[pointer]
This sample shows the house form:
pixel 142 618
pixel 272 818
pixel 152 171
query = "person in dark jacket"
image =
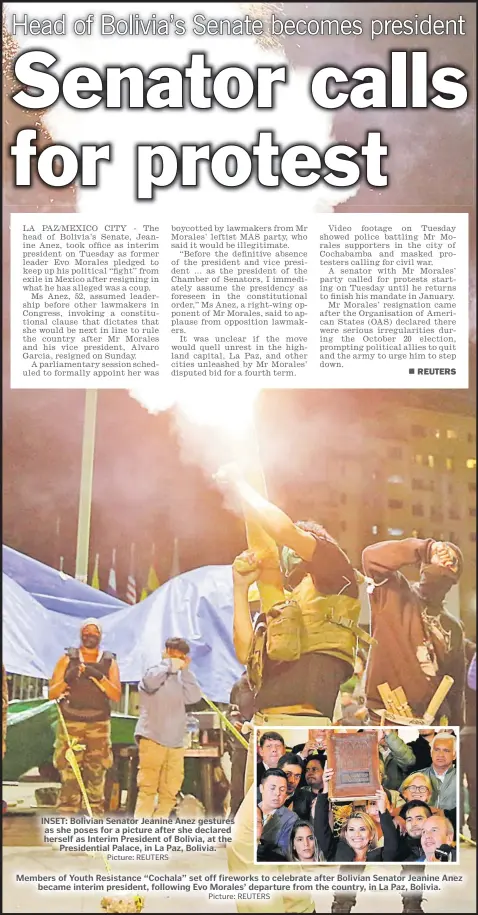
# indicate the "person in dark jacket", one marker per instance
pixel 292 766
pixel 305 797
pixel 414 815
pixel 277 820
pixel 357 840
pixel 468 738
pixel 271 748
pixel 421 748
pixel 241 709
pixel 315 744
pixel 265 851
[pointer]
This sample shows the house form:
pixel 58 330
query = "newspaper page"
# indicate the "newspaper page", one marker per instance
pixel 239 668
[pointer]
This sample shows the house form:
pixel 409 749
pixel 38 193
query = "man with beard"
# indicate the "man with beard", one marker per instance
pixel 85 681
pixel 414 814
pixel 418 641
pixel 304 800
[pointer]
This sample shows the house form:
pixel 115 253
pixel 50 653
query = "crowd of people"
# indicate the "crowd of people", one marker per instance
pixel 410 819
pixel 293 794
pixel 309 662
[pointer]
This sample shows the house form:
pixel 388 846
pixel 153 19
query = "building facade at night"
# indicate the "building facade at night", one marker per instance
pixel 409 473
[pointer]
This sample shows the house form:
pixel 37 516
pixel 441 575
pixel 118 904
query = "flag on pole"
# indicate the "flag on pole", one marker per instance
pixel 131 583
pixel 58 542
pixel 175 567
pixel 112 576
pixel 152 581
pixel 95 581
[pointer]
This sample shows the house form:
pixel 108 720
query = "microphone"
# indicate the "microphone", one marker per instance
pixel 443 853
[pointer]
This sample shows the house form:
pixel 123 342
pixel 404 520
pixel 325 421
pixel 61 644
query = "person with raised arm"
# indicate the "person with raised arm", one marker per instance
pixel 311 638
pixel 165 690
pixel 418 641
pixel 358 837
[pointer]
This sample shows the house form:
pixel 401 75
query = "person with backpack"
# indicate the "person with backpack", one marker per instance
pixel 299 651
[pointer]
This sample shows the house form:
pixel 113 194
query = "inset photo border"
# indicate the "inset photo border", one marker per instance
pixel 361 796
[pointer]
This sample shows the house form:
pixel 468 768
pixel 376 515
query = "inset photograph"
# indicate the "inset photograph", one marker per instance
pixel 356 795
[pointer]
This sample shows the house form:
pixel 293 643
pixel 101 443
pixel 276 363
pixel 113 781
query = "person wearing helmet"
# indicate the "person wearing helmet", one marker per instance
pixel 85 681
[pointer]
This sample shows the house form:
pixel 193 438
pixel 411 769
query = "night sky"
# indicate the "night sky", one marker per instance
pixel 148 486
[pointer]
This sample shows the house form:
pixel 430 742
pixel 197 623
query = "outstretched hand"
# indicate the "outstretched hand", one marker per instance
pixel 382 800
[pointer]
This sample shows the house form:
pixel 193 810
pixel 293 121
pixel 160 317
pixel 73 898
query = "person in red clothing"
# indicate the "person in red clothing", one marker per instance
pixel 418 641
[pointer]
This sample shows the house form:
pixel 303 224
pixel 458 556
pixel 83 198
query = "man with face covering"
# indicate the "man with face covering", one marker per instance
pixel 85 681
pixel 165 689
pixel 318 622
pixel 418 641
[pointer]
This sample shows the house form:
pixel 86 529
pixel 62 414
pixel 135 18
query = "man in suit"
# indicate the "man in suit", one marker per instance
pixel 271 748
